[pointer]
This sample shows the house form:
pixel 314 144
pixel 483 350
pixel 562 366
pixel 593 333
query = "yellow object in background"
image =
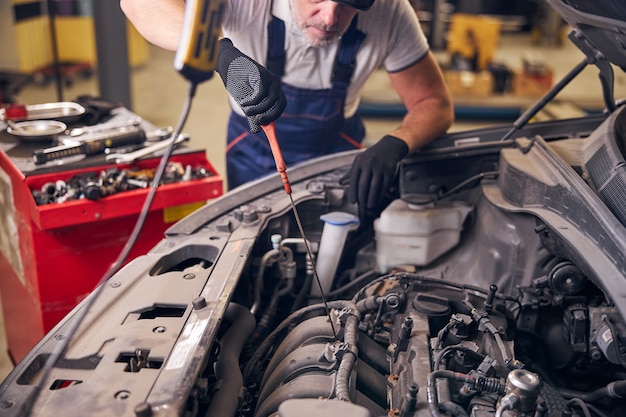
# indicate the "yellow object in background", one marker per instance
pixel 32 39
pixel 474 37
pixel 76 42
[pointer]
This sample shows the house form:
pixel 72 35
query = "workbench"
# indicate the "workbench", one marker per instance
pixel 53 255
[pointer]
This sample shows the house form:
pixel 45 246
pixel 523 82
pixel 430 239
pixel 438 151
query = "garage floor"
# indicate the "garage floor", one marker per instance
pixel 158 95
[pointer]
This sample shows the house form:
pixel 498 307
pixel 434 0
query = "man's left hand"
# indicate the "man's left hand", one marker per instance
pixel 373 171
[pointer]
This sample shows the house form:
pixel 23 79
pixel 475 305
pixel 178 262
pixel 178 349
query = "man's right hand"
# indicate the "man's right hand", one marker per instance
pixel 257 91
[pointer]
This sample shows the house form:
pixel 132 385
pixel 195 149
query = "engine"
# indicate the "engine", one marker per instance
pixel 409 345
pixel 413 341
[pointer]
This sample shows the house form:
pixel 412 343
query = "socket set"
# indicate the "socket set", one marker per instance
pixel 98 184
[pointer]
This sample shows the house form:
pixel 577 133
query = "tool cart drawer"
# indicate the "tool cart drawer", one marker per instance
pixel 124 203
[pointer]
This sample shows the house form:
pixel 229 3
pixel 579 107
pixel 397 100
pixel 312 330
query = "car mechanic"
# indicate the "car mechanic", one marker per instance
pixel 323 51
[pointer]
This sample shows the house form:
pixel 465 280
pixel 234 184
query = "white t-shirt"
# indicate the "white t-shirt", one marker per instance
pixel 394 41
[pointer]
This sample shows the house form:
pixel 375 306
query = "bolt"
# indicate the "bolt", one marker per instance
pixel 143 410
pixel 199 303
pixel 276 239
pixel 159 329
pixel 392 300
pixel 410 175
pixel 189 276
pixel 115 284
pixel 250 216
pixel 407 325
pixel 59 337
pixel 595 353
pixel 315 187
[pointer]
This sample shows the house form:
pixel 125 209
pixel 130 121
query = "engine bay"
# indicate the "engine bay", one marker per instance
pixel 490 285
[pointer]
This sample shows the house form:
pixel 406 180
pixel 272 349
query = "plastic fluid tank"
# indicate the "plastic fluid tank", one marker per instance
pixel 416 235
pixel 337 224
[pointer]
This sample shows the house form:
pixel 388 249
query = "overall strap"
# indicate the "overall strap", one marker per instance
pixel 275 45
pixel 345 61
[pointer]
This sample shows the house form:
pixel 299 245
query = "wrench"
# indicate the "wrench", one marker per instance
pixel 125 158
pixel 78 131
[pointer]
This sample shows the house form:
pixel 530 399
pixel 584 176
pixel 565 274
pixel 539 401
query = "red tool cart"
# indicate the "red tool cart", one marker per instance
pixel 53 255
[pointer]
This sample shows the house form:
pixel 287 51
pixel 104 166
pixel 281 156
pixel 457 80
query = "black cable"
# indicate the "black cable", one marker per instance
pixel 448 350
pixel 455 285
pixel 366 276
pixel 362 291
pixel 579 404
pixel 460 186
pixel 115 267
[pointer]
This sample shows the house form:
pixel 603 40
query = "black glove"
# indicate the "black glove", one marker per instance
pixel 251 85
pixel 373 171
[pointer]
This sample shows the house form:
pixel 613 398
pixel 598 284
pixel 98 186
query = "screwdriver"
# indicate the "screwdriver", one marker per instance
pixel 270 132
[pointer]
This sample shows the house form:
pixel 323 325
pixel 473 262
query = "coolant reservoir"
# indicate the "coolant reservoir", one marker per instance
pixel 416 235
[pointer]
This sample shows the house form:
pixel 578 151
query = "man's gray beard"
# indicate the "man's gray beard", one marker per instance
pixel 320 44
pixel 302 28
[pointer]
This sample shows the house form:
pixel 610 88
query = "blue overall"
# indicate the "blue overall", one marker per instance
pixel 313 122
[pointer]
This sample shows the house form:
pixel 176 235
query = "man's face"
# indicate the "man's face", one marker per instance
pixel 322 21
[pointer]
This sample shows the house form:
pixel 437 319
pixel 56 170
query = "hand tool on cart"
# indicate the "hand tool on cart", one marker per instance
pixel 99 143
pixel 104 127
pixel 126 158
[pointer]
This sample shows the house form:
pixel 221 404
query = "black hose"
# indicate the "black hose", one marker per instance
pixel 493 385
pixel 579 404
pixel 342 380
pixel 448 350
pixel 358 281
pixel 301 296
pixel 292 319
pixel 225 401
pixel 615 389
pixel 454 409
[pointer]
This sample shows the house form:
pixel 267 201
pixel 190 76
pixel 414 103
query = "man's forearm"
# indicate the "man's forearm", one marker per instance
pixel 160 22
pixel 425 122
pixel 430 112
